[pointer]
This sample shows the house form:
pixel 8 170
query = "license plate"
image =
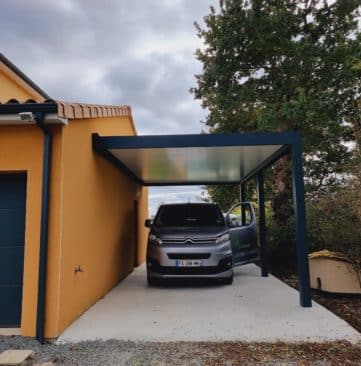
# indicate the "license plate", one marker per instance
pixel 188 263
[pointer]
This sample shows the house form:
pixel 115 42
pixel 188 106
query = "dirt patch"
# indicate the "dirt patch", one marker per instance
pixel 347 307
pixel 337 353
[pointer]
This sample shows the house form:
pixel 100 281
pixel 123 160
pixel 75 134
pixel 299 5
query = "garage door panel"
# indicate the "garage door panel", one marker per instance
pixel 10 303
pixel 12 239
pixel 12 227
pixel 11 265
pixel 12 190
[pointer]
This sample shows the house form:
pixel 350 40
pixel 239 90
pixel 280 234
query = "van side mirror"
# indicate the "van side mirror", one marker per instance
pixel 148 223
pixel 233 223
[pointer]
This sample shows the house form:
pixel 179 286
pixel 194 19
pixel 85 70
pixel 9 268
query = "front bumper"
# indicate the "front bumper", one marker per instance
pixel 216 261
pixel 190 272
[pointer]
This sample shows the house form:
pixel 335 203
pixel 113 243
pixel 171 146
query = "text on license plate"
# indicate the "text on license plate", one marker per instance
pixel 188 263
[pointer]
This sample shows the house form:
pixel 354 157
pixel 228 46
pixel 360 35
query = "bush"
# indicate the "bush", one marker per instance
pixel 282 251
pixel 334 223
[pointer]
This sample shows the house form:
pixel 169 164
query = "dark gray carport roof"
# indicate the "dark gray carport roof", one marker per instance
pixel 194 159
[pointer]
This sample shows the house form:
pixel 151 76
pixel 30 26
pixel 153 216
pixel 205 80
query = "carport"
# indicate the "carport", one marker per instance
pixel 202 159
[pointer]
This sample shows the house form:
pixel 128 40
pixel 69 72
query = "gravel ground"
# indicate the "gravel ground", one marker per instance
pixel 187 353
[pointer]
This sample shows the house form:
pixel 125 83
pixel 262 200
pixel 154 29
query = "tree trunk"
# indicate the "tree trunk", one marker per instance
pixel 282 207
pixel 282 190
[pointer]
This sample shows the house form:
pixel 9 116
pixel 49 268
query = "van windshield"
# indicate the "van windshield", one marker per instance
pixel 189 215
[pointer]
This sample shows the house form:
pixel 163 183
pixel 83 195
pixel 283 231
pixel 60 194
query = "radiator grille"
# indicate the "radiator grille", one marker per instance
pixel 189 240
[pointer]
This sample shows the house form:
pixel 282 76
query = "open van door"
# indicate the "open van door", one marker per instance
pixel 241 222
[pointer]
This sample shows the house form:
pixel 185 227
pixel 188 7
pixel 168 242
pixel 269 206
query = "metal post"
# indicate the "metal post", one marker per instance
pixel 243 199
pixel 262 224
pixel 301 227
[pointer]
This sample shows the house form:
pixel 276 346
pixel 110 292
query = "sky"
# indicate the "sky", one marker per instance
pixel 139 53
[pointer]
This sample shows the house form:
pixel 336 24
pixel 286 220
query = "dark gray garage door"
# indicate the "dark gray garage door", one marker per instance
pixel 12 233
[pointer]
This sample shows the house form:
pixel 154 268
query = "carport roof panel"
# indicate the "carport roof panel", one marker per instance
pixel 193 164
pixel 193 159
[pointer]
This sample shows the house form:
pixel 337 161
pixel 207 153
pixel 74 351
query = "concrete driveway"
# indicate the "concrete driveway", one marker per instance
pixel 252 309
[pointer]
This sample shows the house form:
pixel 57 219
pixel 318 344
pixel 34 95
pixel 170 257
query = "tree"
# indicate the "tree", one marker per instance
pixel 226 195
pixel 276 65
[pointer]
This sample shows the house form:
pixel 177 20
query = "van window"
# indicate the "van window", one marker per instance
pixel 189 215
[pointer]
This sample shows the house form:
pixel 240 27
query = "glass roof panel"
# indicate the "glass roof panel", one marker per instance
pixel 193 164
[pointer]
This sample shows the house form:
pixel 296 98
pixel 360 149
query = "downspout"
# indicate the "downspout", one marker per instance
pixel 44 228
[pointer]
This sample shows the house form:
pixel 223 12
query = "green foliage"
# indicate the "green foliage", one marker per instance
pixel 334 221
pixel 285 65
pixel 225 195
pixel 276 65
pixel 282 251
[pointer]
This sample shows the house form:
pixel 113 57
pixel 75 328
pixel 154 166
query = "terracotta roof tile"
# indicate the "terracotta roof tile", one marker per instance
pixel 83 110
pixel 86 111
pixel 78 111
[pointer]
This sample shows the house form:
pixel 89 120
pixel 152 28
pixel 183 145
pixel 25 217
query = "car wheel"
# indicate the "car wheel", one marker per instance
pixel 152 281
pixel 228 280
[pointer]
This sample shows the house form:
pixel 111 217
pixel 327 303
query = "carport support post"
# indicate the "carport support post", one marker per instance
pixel 243 199
pixel 262 224
pixel 301 227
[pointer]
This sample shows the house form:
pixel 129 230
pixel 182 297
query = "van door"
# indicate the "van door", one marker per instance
pixel 242 227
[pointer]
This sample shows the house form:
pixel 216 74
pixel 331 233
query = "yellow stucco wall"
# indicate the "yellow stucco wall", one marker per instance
pixel 90 219
pixel 9 89
pixel 142 234
pixel 21 150
pixel 90 214
pixel 96 229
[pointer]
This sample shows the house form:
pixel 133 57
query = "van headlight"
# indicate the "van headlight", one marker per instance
pixel 155 240
pixel 222 239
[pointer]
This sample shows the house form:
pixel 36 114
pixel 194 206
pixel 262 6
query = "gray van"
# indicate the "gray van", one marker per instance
pixel 197 240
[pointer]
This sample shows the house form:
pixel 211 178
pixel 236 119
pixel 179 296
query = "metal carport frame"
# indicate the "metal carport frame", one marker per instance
pixel 202 159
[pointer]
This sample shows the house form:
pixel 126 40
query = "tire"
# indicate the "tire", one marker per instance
pixel 152 281
pixel 228 280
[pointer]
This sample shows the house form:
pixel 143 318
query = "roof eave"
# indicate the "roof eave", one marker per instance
pixel 10 113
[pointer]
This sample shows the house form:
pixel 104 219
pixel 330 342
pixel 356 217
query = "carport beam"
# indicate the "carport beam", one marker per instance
pixel 301 227
pixel 262 224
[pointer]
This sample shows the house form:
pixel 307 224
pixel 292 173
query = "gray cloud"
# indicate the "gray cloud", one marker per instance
pixel 137 52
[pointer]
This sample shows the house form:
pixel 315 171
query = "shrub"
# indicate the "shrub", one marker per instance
pixel 334 223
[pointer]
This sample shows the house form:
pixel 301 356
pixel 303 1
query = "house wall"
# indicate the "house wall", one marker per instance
pixel 21 150
pixel 9 89
pixel 96 228
pixel 90 213
pixel 142 232
pixel 90 218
